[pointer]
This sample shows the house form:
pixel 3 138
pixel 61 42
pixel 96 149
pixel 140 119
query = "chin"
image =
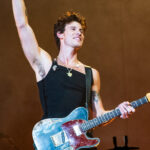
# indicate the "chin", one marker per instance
pixel 79 45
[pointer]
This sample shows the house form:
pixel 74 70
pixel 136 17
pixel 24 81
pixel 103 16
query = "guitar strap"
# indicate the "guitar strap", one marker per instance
pixel 89 81
pixel 88 77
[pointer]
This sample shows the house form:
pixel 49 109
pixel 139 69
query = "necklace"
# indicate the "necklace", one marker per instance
pixel 69 70
pixel 69 73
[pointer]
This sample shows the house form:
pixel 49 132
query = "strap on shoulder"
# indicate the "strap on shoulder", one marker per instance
pixel 88 77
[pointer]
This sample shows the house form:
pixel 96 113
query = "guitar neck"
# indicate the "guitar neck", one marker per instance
pixel 112 114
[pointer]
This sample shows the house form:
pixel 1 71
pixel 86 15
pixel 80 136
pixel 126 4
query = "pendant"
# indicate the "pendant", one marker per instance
pixel 54 68
pixel 69 74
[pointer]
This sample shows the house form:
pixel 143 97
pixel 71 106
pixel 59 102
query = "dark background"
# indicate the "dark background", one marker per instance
pixel 117 44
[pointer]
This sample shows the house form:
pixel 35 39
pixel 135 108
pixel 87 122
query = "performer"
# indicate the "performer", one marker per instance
pixel 61 81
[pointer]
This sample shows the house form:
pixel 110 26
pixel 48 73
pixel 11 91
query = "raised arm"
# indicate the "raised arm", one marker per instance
pixel 38 58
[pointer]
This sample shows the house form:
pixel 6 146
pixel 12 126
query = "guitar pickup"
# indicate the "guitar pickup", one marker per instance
pixel 77 130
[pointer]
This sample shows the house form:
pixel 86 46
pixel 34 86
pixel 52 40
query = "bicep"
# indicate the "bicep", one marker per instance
pixel 29 43
pixel 38 58
pixel 96 99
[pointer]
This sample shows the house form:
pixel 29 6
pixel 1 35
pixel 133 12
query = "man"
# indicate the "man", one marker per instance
pixel 61 81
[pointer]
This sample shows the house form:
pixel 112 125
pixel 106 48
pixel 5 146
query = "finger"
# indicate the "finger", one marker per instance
pixel 126 109
pixel 124 112
pixel 130 109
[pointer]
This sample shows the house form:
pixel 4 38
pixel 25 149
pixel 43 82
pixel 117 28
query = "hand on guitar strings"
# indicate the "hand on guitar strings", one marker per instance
pixel 126 109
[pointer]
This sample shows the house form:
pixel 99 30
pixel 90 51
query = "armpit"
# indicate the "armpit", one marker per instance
pixel 40 68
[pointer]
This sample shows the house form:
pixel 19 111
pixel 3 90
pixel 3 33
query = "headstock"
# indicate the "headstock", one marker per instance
pixel 148 96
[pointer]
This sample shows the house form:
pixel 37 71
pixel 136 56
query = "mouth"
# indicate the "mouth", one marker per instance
pixel 78 38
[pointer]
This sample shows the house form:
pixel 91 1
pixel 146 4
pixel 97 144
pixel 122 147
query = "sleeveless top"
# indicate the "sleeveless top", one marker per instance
pixel 61 94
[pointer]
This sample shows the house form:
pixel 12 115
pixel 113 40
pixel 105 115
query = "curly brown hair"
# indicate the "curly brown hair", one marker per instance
pixel 68 17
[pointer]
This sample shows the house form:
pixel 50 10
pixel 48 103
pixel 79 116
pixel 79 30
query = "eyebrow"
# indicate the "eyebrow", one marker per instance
pixel 72 26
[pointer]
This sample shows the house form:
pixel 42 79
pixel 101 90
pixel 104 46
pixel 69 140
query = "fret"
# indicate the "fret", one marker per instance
pixel 115 113
pixel 109 115
pixel 86 126
pixel 106 118
pixel 100 120
pixel 145 100
pixel 136 103
pixel 83 127
pixel 133 104
pixel 103 119
pixel 118 112
pixel 95 122
pixel 141 102
pixel 112 115
pixel 91 123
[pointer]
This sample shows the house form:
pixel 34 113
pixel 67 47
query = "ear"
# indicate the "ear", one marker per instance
pixel 60 35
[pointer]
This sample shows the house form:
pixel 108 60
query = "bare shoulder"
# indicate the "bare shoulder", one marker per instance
pixel 46 58
pixel 95 72
pixel 96 79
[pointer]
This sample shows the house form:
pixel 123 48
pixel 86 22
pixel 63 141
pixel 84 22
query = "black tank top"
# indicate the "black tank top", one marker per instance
pixel 59 93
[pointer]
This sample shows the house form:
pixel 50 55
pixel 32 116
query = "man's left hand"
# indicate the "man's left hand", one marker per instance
pixel 126 109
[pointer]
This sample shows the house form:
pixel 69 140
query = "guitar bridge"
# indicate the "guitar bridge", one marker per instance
pixel 59 139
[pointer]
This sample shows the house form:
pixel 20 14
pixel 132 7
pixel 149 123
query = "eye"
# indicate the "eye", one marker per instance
pixel 73 28
pixel 81 30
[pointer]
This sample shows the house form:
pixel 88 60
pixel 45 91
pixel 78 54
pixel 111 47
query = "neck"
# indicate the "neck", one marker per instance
pixel 68 56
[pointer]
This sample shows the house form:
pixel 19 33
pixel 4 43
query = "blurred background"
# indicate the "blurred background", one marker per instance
pixel 117 44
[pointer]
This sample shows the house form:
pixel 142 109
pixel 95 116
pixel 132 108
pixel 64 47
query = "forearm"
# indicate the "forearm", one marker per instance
pixel 20 13
pixel 98 107
pixel 97 104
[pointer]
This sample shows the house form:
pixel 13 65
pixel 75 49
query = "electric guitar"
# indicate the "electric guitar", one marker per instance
pixel 69 133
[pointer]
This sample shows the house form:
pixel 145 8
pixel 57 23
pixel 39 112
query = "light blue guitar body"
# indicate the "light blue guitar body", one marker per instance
pixel 49 135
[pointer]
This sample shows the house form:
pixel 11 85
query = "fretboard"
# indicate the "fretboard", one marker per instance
pixel 110 115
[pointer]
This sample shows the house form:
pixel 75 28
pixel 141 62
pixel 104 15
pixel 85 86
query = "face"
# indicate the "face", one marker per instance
pixel 73 35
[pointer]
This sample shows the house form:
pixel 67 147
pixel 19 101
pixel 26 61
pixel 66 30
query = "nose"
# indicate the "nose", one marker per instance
pixel 79 32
